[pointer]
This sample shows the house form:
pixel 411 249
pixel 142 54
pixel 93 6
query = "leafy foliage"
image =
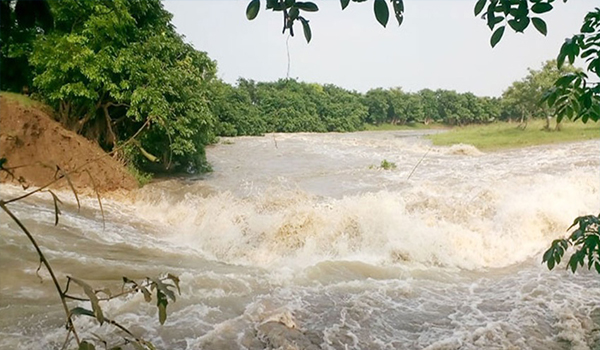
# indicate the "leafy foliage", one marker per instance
pixel 292 10
pixel 516 14
pixel 576 96
pixel 164 287
pixel 113 67
pixel 586 241
pixel 522 100
pixel 287 105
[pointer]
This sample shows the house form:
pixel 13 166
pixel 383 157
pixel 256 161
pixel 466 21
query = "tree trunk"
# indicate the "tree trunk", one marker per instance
pixel 111 138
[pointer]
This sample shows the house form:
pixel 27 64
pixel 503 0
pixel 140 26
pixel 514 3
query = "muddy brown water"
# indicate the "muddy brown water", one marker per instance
pixel 303 239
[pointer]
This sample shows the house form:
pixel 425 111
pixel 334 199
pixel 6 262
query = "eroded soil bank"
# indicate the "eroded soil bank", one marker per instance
pixel 34 145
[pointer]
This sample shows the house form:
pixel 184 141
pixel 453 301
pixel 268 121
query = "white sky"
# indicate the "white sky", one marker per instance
pixel 440 44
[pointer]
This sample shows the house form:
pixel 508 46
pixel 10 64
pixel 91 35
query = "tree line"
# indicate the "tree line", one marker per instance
pixel 289 105
pixel 114 69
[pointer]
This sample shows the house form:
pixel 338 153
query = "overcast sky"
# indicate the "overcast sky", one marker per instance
pixel 440 44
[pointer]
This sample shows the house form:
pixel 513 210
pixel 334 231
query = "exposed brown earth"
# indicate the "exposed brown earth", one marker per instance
pixel 35 145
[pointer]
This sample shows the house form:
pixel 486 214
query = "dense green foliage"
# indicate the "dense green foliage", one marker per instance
pixel 111 68
pixel 586 240
pixel 574 95
pixel 522 100
pixel 252 108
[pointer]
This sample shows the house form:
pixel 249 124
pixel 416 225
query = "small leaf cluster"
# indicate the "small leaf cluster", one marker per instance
pixel 385 165
pixel 585 239
pixel 517 14
pixel 576 96
pixel 291 10
pixel 163 288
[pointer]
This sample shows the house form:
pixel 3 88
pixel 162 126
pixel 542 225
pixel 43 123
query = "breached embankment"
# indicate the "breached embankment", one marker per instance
pixel 34 145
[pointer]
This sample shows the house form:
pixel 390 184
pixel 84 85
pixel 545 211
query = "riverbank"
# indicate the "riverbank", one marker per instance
pixel 497 136
pixel 37 149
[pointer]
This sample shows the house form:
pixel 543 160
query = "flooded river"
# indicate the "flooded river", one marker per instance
pixel 309 232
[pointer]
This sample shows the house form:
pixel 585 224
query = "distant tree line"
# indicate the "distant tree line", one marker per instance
pixel 288 105
pixel 113 68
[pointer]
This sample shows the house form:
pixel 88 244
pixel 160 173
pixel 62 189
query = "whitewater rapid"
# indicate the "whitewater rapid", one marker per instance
pixel 309 232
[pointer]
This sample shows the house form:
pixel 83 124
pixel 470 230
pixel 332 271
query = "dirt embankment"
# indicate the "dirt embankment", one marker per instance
pixel 34 145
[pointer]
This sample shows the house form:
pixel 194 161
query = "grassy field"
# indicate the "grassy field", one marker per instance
pixel 507 135
pixel 412 126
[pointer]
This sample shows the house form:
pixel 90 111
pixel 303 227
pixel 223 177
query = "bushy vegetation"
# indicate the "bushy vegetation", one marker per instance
pixel 111 69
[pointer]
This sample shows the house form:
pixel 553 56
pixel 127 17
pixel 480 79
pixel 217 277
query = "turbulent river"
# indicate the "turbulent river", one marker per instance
pixel 307 231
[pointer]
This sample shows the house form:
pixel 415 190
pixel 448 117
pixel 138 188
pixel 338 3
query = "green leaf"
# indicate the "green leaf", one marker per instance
pixel 307 6
pixel 540 25
pixel 86 346
pixel 161 303
pixel 294 13
pixel 497 36
pixel 344 3
pixel 382 12
pixel 398 6
pixel 564 81
pixel 519 25
pixel 81 311
pixel 252 9
pixel 163 288
pixel 479 6
pixel 541 7
pixel 87 289
pixel 306 29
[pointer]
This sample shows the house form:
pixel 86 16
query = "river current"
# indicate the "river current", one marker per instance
pixel 307 231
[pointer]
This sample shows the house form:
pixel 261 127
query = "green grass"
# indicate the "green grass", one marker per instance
pixel 24 100
pixel 507 135
pixel 141 177
pixel 410 126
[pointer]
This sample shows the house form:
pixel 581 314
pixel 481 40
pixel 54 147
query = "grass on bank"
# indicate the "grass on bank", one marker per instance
pixel 507 135
pixel 409 126
pixel 23 100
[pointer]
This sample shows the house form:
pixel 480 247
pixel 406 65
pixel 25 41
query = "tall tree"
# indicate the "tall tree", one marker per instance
pixel 523 99
pixel 110 67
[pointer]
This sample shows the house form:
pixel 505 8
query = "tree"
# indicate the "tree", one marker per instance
pixel 523 99
pixel 377 102
pixel 430 106
pixel 113 67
